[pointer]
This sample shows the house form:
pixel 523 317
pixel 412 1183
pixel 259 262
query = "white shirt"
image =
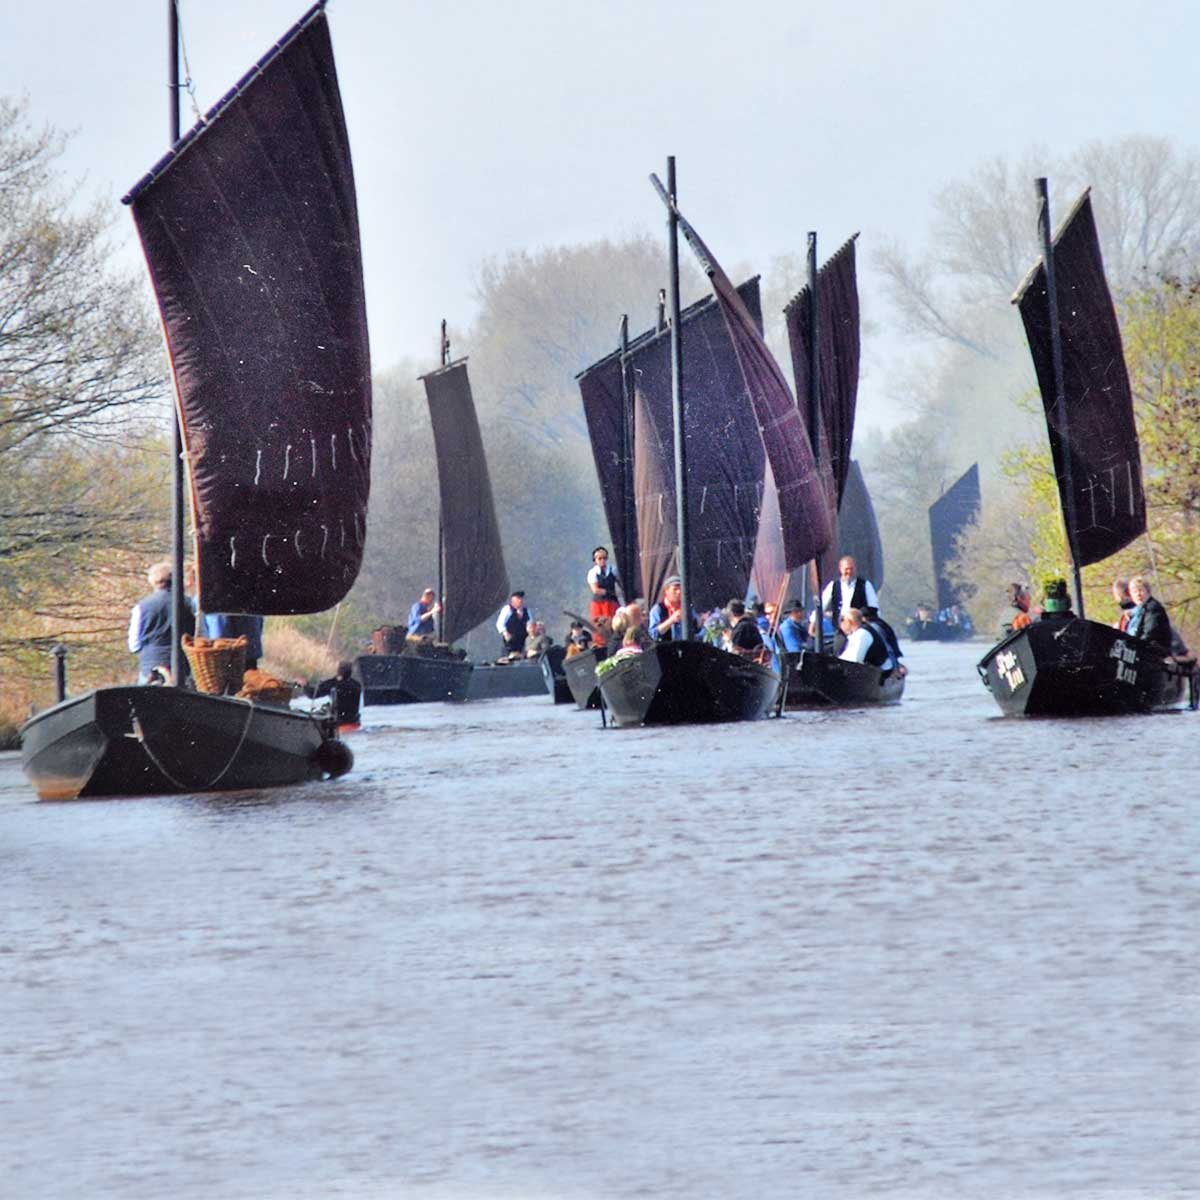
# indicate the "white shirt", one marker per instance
pixel 506 612
pixel 848 593
pixel 859 642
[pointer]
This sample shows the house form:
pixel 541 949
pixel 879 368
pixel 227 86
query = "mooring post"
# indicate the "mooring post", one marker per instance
pixel 60 672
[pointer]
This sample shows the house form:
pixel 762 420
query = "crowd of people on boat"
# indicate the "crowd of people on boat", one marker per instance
pixel 1139 613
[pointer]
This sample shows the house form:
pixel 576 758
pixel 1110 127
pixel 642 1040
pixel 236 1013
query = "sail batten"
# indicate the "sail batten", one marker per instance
pixel 1100 436
pixel 252 243
pixel 476 582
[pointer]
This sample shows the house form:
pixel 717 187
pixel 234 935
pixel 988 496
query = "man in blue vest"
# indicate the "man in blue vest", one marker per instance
pixel 513 624
pixel 150 625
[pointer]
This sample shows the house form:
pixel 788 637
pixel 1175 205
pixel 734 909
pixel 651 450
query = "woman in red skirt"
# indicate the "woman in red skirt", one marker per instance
pixel 603 582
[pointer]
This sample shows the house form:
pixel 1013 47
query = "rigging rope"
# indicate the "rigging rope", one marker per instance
pixel 212 783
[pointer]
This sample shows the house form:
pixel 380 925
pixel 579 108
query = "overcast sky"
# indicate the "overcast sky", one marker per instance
pixel 486 126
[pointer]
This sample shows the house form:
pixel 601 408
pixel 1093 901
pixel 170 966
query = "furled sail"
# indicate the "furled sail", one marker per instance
pixel 858 531
pixel 949 515
pixel 611 431
pixel 476 582
pixel 1106 500
pixel 804 519
pixel 724 452
pixel 657 529
pixel 250 231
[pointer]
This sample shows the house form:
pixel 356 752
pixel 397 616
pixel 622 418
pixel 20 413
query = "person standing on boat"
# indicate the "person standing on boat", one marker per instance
pixel 864 644
pixel 513 624
pixel 150 625
pixel 847 591
pixel 345 695
pixel 1148 620
pixel 233 625
pixel 421 617
pixel 666 617
pixel 602 583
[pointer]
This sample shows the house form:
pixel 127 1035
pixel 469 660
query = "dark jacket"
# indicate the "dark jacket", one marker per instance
pixel 1152 625
pixel 746 634
pixel 346 697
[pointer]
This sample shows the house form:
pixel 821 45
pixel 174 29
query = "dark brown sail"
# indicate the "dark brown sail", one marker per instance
pixel 838 354
pixel 1107 503
pixel 805 520
pixel 657 532
pixel 725 454
pixel 858 530
pixel 250 231
pixel 611 434
pixel 476 579
pixel 949 515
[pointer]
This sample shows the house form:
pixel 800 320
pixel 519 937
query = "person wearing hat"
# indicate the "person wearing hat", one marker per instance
pixel 421 615
pixel 666 617
pixel 513 624
pixel 1057 605
pixel 793 630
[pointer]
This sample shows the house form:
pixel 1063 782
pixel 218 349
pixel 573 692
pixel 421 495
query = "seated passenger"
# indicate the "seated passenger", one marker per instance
pixel 792 633
pixel 1120 593
pixel 877 624
pixel 1019 599
pixel 1148 620
pixel 579 639
pixel 745 638
pixel 538 641
pixel 1057 605
pixel 863 644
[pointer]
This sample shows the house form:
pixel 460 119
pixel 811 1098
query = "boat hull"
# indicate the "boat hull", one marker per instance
pixel 141 741
pixel 496 681
pixel 553 676
pixel 825 681
pixel 411 678
pixel 683 683
pixel 1077 668
pixel 580 670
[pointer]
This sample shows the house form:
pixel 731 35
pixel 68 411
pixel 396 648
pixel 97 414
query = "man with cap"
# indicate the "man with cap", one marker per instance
pixel 666 617
pixel 513 624
pixel 792 632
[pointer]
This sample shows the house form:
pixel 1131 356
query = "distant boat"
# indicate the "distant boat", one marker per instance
pixel 823 333
pixel 1073 666
pixel 472 579
pixel 250 231
pixel 949 515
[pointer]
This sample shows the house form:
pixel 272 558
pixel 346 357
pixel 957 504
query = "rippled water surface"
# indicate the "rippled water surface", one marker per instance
pixel 920 952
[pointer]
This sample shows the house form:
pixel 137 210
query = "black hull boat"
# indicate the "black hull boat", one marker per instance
pixel 824 681
pixel 935 631
pixel 1079 668
pixel 580 671
pixel 412 678
pixel 146 741
pixel 553 675
pixel 684 683
pixel 499 680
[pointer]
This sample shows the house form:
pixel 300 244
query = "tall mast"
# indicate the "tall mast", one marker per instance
pixel 1060 394
pixel 681 509
pixel 814 412
pixel 178 591
pixel 441 546
pixel 628 571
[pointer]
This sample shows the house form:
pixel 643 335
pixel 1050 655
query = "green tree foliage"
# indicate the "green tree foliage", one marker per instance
pixel 80 365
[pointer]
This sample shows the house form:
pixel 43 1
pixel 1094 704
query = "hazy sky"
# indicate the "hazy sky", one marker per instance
pixel 481 127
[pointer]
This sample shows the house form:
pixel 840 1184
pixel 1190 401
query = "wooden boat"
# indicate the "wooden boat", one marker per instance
pixel 735 392
pixel 412 678
pixel 580 670
pixel 472 580
pixel 683 683
pixel 136 741
pixel 554 676
pixel 500 680
pixel 1077 667
pixel 936 631
pixel 816 680
pixel 272 537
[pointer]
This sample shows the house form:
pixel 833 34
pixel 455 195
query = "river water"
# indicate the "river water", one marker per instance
pixel 917 952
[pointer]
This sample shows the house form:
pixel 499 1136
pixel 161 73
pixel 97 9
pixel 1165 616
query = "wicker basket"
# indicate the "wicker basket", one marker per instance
pixel 265 689
pixel 218 664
